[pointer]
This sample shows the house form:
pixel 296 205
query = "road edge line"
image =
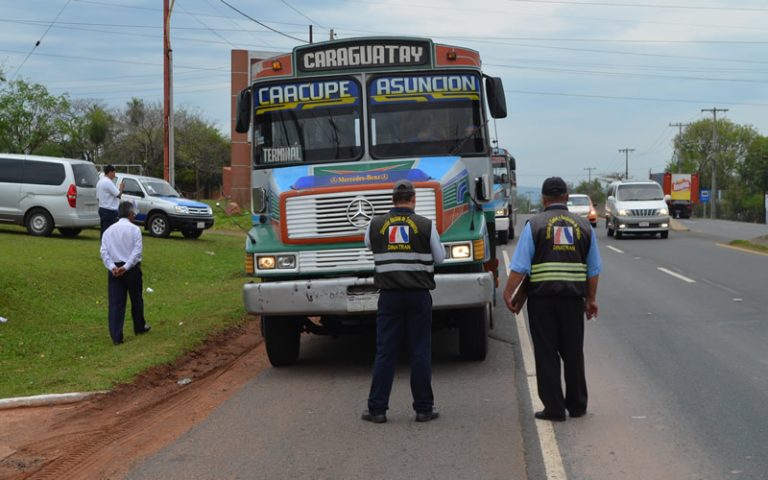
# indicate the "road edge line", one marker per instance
pixel 550 452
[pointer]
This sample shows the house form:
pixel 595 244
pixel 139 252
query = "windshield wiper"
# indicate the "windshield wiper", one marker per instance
pixel 471 134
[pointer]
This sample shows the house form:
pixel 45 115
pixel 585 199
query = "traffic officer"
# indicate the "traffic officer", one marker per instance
pixel 405 246
pixel 558 258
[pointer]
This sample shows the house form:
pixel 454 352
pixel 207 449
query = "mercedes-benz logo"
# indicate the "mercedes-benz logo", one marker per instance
pixel 360 212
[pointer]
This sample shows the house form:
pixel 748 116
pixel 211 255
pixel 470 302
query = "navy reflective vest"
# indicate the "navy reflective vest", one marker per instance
pixel 559 265
pixel 401 251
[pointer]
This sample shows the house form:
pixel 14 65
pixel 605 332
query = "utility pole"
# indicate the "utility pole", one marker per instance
pixel 168 154
pixel 626 160
pixel 589 169
pixel 715 155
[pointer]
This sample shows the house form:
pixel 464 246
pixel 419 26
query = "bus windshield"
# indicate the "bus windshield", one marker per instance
pixel 307 122
pixel 432 114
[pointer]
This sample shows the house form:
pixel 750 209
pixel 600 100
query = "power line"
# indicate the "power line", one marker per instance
pixel 300 13
pixel 643 5
pixel 37 44
pixel 626 151
pixel 640 99
pixel 262 24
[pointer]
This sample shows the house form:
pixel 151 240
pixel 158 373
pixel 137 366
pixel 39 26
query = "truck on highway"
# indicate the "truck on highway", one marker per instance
pixel 331 127
pixel 504 194
pixel 683 191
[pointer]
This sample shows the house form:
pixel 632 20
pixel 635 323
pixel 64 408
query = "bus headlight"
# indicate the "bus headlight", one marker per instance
pixel 286 261
pixel 501 212
pixel 462 250
pixel 266 262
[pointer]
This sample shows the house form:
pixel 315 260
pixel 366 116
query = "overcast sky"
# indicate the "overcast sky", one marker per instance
pixel 583 78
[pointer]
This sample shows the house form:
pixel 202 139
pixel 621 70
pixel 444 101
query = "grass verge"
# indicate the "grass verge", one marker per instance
pixel 751 245
pixel 53 291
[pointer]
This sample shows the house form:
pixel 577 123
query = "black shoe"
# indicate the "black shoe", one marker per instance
pixel 147 328
pixel 427 416
pixel 374 417
pixel 117 342
pixel 578 414
pixel 544 415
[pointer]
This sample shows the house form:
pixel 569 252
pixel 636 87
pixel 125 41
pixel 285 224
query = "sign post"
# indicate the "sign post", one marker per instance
pixel 704 197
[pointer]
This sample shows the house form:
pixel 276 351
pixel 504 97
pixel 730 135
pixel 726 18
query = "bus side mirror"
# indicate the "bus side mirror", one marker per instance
pixel 497 102
pixel 504 178
pixel 512 163
pixel 243 121
pixel 483 187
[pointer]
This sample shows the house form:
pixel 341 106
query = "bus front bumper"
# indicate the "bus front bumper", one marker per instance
pixel 352 295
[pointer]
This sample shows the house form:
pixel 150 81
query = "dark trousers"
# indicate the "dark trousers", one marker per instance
pixel 557 331
pixel 130 283
pixel 107 217
pixel 403 315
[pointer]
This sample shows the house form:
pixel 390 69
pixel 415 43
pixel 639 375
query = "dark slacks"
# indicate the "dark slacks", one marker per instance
pixel 403 315
pixel 107 218
pixel 129 284
pixel 557 332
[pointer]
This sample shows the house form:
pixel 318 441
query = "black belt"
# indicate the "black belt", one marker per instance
pixel 120 264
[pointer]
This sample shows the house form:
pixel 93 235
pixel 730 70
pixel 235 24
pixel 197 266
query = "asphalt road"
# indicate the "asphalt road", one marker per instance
pixel 676 366
pixel 677 361
pixel 303 422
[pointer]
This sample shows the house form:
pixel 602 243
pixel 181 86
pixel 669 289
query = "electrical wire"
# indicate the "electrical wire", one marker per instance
pixel 37 44
pixel 262 24
pixel 300 13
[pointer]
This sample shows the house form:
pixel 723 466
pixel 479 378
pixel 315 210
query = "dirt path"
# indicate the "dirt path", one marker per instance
pixel 102 437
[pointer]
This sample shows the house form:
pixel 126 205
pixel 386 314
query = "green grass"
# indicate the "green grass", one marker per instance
pixel 231 223
pixel 758 247
pixel 53 291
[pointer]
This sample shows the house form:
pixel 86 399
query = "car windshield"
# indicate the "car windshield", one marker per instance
pixel 307 122
pixel 639 192
pixel 435 114
pixel 578 201
pixel 159 188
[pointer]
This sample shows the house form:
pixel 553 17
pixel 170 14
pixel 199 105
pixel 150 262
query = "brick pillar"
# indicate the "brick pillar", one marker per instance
pixel 237 177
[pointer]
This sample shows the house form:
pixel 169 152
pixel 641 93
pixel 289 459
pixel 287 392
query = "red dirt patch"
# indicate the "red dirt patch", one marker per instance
pixel 103 436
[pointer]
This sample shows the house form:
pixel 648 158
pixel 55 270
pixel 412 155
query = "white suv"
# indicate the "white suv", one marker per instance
pixel 636 207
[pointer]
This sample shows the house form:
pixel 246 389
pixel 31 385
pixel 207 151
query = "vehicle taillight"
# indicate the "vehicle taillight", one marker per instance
pixel 72 196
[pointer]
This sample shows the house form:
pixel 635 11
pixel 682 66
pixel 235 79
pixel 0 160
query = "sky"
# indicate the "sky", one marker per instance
pixel 583 79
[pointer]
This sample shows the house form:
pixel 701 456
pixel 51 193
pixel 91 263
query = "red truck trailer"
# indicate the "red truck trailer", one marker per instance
pixel 683 189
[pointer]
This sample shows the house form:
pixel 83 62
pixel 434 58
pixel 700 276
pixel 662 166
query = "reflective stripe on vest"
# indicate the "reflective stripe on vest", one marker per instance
pixel 558 271
pixel 403 262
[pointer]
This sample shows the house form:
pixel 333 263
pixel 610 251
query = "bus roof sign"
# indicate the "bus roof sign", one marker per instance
pixel 362 54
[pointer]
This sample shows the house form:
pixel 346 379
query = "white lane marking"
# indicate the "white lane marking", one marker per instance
pixel 614 249
pixel 553 462
pixel 676 275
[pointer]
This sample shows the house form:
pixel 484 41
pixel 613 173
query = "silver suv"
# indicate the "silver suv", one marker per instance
pixel 162 209
pixel 636 207
pixel 43 193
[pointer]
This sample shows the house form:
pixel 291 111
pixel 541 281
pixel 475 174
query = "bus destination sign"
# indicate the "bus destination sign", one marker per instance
pixel 367 54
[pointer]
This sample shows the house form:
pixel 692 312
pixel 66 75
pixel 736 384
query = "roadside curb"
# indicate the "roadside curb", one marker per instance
pixel 677 226
pixel 46 400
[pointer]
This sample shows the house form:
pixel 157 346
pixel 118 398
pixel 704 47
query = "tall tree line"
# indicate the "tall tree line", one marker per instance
pixel 33 121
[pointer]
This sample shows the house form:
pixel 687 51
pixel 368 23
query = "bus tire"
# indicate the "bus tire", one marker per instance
pixel 282 339
pixel 473 332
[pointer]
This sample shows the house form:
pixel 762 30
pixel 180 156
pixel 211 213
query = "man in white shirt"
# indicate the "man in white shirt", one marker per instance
pixel 108 195
pixel 121 249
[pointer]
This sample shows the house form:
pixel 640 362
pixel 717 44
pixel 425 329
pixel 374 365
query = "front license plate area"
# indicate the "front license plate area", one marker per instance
pixel 364 302
pixel 200 224
pixel 645 224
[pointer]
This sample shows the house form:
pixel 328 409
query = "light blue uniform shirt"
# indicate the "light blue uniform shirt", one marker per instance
pixel 523 256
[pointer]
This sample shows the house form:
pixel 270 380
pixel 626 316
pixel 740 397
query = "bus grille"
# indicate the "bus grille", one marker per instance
pixel 347 259
pixel 325 215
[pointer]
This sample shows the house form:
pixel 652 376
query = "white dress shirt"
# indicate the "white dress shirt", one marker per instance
pixel 121 243
pixel 107 192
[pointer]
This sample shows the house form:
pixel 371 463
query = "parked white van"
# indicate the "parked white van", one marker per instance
pixel 636 207
pixel 43 193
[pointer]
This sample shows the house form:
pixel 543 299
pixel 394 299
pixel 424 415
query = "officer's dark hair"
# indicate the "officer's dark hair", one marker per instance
pixel 125 209
pixel 109 168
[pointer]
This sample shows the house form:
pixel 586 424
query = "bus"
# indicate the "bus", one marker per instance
pixel 332 126
pixel 504 194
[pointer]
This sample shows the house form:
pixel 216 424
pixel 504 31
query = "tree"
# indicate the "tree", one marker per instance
pixel 139 137
pixel 201 153
pixel 87 127
pixel 594 189
pixel 30 117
